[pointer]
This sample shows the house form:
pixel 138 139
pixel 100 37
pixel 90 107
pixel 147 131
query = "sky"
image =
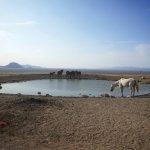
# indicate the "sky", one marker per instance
pixel 75 33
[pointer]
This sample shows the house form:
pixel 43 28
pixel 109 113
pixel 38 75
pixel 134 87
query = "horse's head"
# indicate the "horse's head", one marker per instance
pixel 111 88
pixel 113 85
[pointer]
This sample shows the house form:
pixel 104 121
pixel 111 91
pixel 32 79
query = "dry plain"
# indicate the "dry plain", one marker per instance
pixel 73 123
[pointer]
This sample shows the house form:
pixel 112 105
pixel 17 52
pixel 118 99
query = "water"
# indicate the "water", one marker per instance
pixel 64 87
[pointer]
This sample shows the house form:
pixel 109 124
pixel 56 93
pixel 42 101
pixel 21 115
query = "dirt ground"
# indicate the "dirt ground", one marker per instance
pixel 63 123
pixel 69 123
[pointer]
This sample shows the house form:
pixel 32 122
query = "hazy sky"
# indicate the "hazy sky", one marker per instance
pixel 75 33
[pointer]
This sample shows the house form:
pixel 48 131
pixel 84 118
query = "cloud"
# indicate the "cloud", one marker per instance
pixel 25 23
pixel 124 42
pixel 137 57
pixel 143 50
pixel 5 35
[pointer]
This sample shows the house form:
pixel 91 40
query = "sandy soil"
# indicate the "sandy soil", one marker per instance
pixel 57 123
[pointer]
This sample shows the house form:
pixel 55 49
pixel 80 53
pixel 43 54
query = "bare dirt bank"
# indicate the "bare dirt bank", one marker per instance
pixel 57 123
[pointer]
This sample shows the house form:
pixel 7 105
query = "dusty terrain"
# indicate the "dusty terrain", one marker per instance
pixel 57 123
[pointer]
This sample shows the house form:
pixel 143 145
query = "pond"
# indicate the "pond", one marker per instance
pixel 64 87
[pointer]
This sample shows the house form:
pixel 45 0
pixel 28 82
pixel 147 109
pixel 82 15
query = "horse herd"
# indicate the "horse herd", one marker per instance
pixel 68 74
pixel 131 83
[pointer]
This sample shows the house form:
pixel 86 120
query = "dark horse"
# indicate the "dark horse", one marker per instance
pixel 73 74
pixel 51 74
pixel 59 73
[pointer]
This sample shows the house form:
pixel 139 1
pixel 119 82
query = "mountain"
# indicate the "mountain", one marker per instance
pixel 134 69
pixel 13 65
pixel 32 67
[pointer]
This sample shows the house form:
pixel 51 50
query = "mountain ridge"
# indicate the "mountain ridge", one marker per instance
pixel 15 65
pixel 126 68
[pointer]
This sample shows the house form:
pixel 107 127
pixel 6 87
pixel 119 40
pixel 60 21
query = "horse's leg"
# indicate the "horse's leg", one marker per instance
pixel 130 91
pixel 132 88
pixel 133 91
pixel 122 91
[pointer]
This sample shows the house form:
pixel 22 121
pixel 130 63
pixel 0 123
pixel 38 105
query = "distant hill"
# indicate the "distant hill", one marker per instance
pixel 31 66
pixel 15 65
pixel 130 69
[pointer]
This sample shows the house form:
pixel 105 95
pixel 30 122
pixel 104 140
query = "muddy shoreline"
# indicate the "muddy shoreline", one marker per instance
pixel 25 77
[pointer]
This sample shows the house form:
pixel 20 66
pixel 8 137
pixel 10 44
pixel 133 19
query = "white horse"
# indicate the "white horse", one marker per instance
pixel 130 82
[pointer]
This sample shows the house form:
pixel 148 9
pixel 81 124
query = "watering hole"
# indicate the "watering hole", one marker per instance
pixel 64 87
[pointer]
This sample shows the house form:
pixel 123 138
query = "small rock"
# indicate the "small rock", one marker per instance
pixel 47 95
pixel 19 94
pixel 3 124
pixel 105 95
pixel 39 93
pixel 85 96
